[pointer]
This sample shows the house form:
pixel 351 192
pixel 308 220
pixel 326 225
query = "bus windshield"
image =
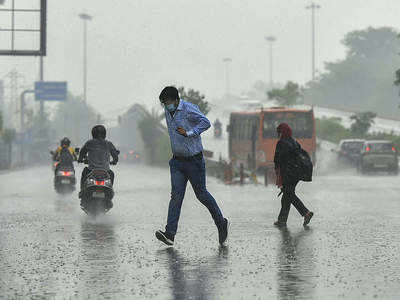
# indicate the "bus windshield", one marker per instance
pixel 301 123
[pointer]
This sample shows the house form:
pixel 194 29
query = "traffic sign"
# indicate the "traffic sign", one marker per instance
pixel 51 90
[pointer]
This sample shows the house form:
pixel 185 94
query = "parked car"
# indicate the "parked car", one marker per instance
pixel 379 156
pixel 350 151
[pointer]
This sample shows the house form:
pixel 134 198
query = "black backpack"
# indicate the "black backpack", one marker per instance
pixel 300 166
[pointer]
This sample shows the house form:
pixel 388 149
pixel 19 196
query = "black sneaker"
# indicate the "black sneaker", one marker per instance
pixel 307 218
pixel 165 237
pixel 279 224
pixel 223 232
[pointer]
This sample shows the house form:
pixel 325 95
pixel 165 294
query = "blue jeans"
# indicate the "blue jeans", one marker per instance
pixel 195 172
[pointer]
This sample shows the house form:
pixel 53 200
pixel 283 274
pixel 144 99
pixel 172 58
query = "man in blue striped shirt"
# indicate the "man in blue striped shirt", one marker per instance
pixel 185 124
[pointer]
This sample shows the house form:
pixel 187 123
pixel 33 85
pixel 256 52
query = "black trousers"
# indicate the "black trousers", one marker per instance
pixel 86 172
pixel 289 197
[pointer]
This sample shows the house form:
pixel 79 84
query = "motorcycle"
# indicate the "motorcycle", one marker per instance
pixel 64 177
pixel 64 180
pixel 97 192
pixel 217 132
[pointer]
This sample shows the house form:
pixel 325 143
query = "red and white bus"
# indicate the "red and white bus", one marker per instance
pixel 253 137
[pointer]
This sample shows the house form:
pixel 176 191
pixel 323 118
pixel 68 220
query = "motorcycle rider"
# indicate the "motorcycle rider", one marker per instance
pixel 98 151
pixel 217 128
pixel 217 123
pixel 65 155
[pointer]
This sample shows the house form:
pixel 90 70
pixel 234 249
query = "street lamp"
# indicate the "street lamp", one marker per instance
pixel 271 40
pixel 85 18
pixel 227 60
pixel 313 7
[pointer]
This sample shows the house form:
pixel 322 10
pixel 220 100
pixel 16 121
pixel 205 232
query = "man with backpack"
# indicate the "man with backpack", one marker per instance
pixel 292 164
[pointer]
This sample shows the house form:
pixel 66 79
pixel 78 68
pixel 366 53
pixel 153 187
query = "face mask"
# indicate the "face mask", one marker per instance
pixel 170 107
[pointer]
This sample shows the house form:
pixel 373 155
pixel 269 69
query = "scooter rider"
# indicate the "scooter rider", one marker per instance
pixel 98 151
pixel 65 154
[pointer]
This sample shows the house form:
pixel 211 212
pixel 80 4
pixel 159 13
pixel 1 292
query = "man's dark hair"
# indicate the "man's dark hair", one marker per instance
pixel 169 92
pixel 99 132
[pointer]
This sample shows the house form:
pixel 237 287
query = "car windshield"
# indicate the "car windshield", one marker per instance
pixel 352 146
pixel 301 123
pixel 380 147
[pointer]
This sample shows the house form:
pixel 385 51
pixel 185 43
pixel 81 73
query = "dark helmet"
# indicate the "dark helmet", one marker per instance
pixel 169 92
pixel 99 132
pixel 65 142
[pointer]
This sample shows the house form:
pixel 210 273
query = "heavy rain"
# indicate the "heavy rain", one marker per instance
pixel 109 108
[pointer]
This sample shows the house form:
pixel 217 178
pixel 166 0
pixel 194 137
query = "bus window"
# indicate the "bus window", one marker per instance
pixel 301 123
pixel 244 127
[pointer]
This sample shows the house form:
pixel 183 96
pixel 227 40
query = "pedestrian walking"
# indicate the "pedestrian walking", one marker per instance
pixel 185 124
pixel 286 179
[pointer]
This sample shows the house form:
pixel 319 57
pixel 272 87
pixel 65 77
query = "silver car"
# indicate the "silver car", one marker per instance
pixel 379 156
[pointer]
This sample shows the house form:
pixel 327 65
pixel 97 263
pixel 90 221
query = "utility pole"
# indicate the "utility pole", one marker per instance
pixel 313 7
pixel 41 79
pixel 85 18
pixel 14 85
pixel 271 40
pixel 227 60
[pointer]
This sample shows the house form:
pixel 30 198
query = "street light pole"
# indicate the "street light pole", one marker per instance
pixel 227 60
pixel 271 40
pixel 313 7
pixel 85 18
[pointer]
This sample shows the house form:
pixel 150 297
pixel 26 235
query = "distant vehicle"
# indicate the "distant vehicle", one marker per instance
pixel 379 156
pixel 217 129
pixel 132 157
pixel 350 151
pixel 253 137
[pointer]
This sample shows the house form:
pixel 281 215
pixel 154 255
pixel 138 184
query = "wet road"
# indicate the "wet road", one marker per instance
pixel 49 249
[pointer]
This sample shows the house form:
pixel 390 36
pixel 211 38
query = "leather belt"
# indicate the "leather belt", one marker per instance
pixel 189 158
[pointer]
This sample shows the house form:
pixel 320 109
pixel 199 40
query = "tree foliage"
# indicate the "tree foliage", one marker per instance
pixel 287 96
pixel 195 97
pixel 331 129
pixel 363 80
pixel 1 122
pixel 154 136
pixel 75 119
pixel 362 122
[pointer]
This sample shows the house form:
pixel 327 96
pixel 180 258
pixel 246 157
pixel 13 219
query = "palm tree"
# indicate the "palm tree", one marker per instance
pixel 149 127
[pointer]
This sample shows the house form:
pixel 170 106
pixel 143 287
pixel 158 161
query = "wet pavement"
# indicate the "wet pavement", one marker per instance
pixel 49 249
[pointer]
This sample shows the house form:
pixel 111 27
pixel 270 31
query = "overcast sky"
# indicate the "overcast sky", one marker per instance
pixel 137 47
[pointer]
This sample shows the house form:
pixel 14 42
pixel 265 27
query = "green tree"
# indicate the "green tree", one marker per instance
pixel 362 122
pixel 153 135
pixel 75 119
pixel 363 80
pixel 195 97
pixel 287 96
pixel 1 122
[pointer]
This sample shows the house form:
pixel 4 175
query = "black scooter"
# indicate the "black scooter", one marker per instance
pixel 97 192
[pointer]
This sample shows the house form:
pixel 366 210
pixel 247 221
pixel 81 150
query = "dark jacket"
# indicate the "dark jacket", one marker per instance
pixel 98 153
pixel 285 151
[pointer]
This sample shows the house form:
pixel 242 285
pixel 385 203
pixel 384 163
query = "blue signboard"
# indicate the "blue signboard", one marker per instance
pixel 51 90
